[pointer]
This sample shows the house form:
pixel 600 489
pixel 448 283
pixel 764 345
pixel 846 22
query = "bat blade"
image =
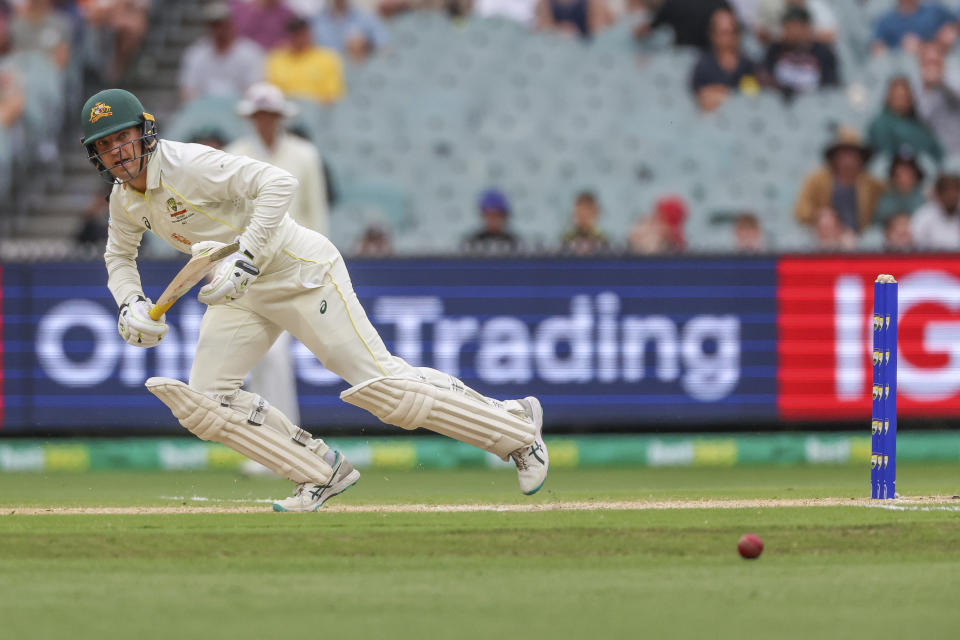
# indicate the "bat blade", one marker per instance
pixel 191 273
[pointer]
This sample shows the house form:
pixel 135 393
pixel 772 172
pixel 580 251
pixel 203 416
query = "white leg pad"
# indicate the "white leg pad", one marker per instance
pixel 256 431
pixel 452 410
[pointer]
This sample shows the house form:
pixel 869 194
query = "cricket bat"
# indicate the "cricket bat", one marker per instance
pixel 191 273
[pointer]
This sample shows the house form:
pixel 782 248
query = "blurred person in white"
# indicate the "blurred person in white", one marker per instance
pixel 220 63
pixel 912 23
pixel 273 377
pixel 831 234
pixel 577 18
pixel 747 235
pixel 767 19
pixel 936 225
pixel 896 233
pixel 37 26
pixel 938 98
pixel 340 25
pixel 724 68
pixel 796 62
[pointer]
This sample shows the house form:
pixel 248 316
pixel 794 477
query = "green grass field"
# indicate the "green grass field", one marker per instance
pixel 826 572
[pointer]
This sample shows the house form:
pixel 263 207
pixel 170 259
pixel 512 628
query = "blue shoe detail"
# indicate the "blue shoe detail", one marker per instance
pixel 538 487
pixel 277 507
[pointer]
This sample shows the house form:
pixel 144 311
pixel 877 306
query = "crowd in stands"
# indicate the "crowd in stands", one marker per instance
pixel 48 50
pixel 896 178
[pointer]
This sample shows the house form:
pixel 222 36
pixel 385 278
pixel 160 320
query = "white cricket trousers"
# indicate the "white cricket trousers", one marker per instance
pixel 274 377
pixel 304 288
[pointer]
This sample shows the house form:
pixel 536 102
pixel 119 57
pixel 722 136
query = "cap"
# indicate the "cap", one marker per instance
pixel 264 96
pixel 493 199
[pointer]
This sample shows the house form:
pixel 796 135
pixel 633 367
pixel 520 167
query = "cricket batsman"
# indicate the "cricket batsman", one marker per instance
pixel 284 277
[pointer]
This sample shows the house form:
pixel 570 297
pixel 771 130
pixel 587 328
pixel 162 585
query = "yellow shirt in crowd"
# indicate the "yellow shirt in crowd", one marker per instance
pixel 316 74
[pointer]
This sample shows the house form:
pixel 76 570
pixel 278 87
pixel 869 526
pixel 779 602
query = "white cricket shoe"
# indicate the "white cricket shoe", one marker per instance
pixel 532 461
pixel 310 497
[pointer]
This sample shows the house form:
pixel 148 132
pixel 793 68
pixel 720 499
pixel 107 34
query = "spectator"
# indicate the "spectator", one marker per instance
pixel 303 70
pixel 724 68
pixel 573 17
pixel 374 243
pixel 522 11
pixel 896 233
pixel 689 19
pixel 797 63
pixel 340 22
pixel 584 238
pixel 897 126
pixel 36 26
pixel 220 64
pixel 911 23
pixel 768 19
pixel 263 21
pixel 267 109
pixel 494 238
pixel 843 185
pixel 936 225
pixel 662 230
pixel 832 234
pixel 904 192
pixel 91 236
pixel 747 234
pixel 453 8
pixel 938 100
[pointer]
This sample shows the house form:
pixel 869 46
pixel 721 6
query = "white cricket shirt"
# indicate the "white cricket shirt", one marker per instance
pixel 197 193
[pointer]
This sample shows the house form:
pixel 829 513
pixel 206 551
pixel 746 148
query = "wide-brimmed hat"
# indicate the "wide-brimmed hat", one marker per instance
pixel 264 96
pixel 847 138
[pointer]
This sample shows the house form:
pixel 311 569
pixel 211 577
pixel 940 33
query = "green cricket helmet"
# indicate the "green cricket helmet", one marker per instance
pixel 108 112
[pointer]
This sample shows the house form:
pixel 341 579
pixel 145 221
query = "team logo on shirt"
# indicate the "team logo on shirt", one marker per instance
pixel 177 211
pixel 179 238
pixel 99 110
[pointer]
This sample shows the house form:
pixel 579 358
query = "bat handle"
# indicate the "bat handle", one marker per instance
pixel 158 310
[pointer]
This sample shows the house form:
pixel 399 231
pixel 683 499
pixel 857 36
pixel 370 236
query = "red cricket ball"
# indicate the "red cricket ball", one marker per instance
pixel 750 546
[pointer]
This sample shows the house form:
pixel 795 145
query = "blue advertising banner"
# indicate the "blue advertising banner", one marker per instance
pixel 602 343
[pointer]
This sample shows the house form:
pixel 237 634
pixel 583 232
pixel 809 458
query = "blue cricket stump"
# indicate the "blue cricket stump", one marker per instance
pixel 883 456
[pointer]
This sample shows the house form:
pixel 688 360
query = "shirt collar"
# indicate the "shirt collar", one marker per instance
pixel 153 167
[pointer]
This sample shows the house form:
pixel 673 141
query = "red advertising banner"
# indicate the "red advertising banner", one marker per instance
pixel 825 307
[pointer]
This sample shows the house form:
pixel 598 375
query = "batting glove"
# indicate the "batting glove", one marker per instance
pixel 135 325
pixel 231 279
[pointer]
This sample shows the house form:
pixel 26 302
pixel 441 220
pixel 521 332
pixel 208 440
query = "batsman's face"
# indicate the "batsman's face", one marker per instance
pixel 120 152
